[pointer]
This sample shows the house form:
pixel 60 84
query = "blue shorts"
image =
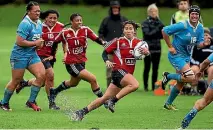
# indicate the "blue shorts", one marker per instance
pixel 23 62
pixel 178 62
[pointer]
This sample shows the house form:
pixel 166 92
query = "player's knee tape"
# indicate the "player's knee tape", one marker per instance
pixel 188 73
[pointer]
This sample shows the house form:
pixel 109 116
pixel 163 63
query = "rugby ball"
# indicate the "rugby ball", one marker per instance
pixel 137 54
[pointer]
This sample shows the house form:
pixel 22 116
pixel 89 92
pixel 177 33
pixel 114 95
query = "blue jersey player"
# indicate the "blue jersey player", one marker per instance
pixel 24 56
pixel 207 98
pixel 186 34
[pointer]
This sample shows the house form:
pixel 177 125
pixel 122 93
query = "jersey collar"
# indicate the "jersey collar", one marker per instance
pixel 50 29
pixel 36 23
pixel 193 26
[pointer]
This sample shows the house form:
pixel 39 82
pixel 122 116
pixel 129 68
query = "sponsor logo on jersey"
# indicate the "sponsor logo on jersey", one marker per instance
pixel 68 35
pixel 188 34
pixel 78 50
pixel 130 61
pixel 123 45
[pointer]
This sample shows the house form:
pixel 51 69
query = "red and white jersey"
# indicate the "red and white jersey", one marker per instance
pixel 76 42
pixel 122 50
pixel 51 37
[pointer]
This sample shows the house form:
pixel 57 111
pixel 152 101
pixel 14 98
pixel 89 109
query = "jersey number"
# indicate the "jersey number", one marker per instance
pixel 36 37
pixel 78 50
pixel 50 36
pixel 49 43
pixel 193 40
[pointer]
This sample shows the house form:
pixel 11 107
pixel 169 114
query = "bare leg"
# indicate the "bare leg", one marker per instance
pixel 111 91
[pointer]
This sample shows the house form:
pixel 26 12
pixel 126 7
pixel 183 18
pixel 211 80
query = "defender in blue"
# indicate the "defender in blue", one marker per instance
pixel 24 56
pixel 185 35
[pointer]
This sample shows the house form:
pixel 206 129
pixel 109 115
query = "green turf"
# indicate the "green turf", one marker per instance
pixel 139 110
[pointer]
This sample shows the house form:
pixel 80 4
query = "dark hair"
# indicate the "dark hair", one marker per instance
pixel 135 25
pixel 114 3
pixel 74 15
pixel 178 1
pixel 30 5
pixel 44 14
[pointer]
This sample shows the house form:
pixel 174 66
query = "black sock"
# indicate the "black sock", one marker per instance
pixel 60 88
pixel 50 101
pixel 25 83
pixel 115 99
pixel 86 111
pixel 98 92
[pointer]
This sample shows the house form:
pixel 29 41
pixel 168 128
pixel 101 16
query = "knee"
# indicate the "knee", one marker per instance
pixel 50 77
pixel 191 78
pixel 40 77
pixel 15 81
pixel 135 86
pixel 189 75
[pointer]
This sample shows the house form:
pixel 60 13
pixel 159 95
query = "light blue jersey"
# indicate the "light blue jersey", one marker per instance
pixel 30 31
pixel 22 57
pixel 185 36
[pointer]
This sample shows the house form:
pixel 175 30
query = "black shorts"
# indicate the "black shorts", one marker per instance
pixel 75 69
pixel 48 63
pixel 117 76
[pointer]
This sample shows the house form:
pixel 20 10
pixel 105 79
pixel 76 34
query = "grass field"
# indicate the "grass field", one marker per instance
pixel 139 110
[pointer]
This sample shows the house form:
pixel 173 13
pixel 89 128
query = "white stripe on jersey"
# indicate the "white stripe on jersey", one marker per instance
pixel 89 29
pixel 110 43
pixel 118 54
pixel 207 50
pixel 66 42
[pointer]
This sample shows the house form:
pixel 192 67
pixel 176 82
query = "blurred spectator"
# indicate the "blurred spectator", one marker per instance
pixel 110 28
pixel 151 29
pixel 211 31
pixel 182 13
pixel 198 56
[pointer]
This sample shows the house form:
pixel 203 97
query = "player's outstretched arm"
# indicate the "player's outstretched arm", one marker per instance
pixel 204 65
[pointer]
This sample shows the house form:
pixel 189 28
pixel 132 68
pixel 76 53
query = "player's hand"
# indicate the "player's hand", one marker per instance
pixel 104 43
pixel 48 58
pixel 199 75
pixel 64 58
pixel 144 51
pixel 172 50
pixel 109 64
pixel 39 43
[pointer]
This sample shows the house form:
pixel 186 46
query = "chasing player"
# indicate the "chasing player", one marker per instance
pixel 123 82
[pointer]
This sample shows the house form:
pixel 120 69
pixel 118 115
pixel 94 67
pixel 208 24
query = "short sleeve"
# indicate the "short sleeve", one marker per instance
pixel 91 34
pixel 24 29
pixel 210 58
pixel 200 35
pixel 63 38
pixel 111 46
pixel 174 28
